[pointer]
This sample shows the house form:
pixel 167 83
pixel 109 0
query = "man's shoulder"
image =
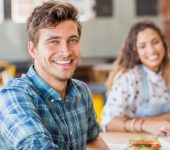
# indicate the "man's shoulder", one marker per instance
pixel 79 83
pixel 21 83
pixel 80 86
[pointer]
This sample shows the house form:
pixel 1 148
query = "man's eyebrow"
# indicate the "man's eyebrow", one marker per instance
pixel 74 36
pixel 52 38
pixel 58 37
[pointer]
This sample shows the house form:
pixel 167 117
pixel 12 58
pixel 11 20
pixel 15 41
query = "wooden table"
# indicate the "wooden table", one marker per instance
pixel 119 140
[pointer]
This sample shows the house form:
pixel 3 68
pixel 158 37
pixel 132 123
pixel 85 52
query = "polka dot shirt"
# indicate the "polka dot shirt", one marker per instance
pixel 139 92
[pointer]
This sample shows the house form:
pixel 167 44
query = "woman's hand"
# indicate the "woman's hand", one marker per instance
pixel 166 129
pixel 157 127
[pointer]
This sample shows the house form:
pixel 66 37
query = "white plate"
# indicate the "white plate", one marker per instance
pixel 165 142
pixel 117 146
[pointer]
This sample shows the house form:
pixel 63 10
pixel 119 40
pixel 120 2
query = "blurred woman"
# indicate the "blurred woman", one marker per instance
pixel 139 84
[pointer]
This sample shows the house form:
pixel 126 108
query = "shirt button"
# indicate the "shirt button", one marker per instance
pixel 71 133
pixel 59 99
pixel 52 100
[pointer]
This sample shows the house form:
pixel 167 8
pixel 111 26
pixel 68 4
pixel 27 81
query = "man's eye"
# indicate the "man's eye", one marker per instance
pixel 73 41
pixel 54 42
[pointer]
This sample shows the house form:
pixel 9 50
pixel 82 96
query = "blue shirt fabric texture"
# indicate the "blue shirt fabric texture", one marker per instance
pixel 34 116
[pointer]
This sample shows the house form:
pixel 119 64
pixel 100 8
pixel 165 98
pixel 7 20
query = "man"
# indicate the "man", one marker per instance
pixel 46 109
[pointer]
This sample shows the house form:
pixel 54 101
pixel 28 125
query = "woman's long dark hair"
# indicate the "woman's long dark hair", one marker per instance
pixel 128 57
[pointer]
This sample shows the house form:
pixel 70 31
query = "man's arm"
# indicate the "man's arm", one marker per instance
pixel 97 144
pixel 20 125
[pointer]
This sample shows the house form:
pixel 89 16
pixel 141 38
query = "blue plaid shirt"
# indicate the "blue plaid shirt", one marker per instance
pixel 34 116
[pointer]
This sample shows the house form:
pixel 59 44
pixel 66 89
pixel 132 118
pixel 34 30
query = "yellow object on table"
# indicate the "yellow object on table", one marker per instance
pixel 98 93
pixel 98 103
pixel 7 72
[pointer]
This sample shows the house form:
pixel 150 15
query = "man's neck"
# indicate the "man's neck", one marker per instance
pixel 59 85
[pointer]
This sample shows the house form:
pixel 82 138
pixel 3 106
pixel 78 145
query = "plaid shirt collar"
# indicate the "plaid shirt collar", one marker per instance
pixel 47 91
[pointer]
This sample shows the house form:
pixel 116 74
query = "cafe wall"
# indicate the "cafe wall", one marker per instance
pixel 101 36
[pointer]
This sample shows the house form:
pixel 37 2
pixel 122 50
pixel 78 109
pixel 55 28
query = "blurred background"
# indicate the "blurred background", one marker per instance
pixel 105 25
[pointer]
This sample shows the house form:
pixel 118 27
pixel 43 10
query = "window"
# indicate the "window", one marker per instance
pixel 104 8
pixel 21 9
pixel 85 7
pixel 146 7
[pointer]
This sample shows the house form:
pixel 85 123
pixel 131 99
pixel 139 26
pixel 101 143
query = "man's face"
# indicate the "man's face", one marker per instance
pixel 57 53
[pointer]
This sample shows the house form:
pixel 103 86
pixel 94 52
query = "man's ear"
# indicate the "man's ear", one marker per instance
pixel 32 49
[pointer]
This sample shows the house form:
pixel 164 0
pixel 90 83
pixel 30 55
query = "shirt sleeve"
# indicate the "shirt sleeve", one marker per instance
pixel 119 101
pixel 93 127
pixel 20 124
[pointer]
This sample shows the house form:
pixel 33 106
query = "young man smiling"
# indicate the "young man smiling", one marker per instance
pixel 45 108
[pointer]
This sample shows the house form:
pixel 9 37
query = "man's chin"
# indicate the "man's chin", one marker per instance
pixel 66 78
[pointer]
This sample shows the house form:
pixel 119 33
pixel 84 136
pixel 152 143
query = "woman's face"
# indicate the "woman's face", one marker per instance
pixel 150 49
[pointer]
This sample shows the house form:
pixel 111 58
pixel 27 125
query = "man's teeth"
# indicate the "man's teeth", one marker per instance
pixel 63 61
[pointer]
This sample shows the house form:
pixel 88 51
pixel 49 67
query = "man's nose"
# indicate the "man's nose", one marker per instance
pixel 64 48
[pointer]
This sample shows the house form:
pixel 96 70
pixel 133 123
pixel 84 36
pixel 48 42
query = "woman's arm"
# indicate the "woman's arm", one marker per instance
pixel 117 104
pixel 156 125
pixel 125 124
pixel 117 124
